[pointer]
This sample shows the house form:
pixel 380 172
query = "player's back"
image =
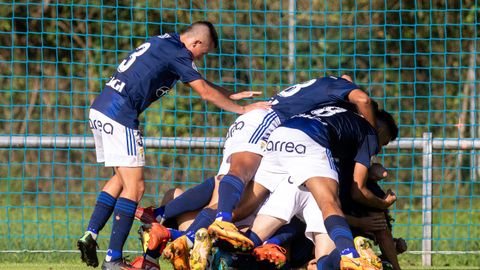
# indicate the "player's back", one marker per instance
pixel 342 131
pixel 309 95
pixel 146 71
pixel 144 76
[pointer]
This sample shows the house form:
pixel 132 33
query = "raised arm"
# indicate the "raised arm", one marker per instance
pixel 217 97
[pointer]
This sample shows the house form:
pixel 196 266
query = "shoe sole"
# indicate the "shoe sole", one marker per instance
pixel 363 246
pixel 170 254
pixel 237 239
pixel 275 257
pixel 197 261
pixel 90 261
pixel 272 258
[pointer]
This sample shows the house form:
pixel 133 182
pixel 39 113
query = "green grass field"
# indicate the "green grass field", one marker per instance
pixel 66 241
pixel 33 226
pixel 71 261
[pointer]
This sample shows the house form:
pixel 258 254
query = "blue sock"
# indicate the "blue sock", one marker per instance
pixel 160 211
pixel 192 199
pixel 102 212
pixel 203 220
pixel 229 193
pixel 254 237
pixel 124 213
pixel 191 236
pixel 174 234
pixel 287 232
pixel 300 250
pixel 339 231
pixel 330 261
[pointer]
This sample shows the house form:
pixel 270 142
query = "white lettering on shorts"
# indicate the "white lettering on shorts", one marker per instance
pixel 288 147
pixel 106 127
pixel 233 128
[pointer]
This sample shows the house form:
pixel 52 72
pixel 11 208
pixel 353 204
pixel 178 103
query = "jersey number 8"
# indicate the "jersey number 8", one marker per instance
pixel 127 62
pixel 292 90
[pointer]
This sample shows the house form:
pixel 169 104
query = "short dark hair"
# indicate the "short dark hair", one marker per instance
pixel 387 118
pixel 211 30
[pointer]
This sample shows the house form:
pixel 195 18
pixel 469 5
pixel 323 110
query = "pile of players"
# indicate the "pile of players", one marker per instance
pixel 295 172
pixel 327 150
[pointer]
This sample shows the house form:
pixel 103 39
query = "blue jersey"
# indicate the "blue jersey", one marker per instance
pixel 348 135
pixel 312 94
pixel 144 76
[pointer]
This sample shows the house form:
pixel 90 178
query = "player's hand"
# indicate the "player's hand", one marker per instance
pixel 400 245
pixel 375 222
pixel 346 77
pixel 257 105
pixel 390 197
pixel 245 94
pixel 377 172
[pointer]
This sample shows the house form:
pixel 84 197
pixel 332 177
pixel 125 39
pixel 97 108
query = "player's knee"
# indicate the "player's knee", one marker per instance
pixel 171 194
pixel 177 192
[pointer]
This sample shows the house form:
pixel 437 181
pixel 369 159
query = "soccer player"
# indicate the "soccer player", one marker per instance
pixel 144 76
pixel 304 147
pixel 367 221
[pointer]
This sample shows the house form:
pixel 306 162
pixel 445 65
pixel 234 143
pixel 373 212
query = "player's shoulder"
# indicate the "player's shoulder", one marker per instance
pixel 168 41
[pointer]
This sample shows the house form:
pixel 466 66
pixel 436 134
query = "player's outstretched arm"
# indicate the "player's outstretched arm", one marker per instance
pixel 362 194
pixel 209 93
pixel 234 96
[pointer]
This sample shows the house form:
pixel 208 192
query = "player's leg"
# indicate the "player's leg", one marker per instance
pixel 387 247
pixel 253 196
pixel 124 151
pixel 243 151
pixel 312 165
pixel 104 205
pixel 269 230
pixel 316 232
pixel 195 238
pixel 324 190
pixel 326 255
pixel 108 197
pixel 244 214
pixel 192 199
pixel 243 166
pixel 124 212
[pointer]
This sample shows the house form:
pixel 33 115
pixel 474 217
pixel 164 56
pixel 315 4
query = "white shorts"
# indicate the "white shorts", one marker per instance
pixel 116 144
pixel 249 133
pixel 290 152
pixel 289 200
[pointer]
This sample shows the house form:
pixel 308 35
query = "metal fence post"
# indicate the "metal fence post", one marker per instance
pixel 427 199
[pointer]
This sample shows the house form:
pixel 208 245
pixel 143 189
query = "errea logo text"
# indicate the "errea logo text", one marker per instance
pixel 289 147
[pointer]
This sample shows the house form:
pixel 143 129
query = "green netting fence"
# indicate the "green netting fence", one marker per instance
pixel 418 59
